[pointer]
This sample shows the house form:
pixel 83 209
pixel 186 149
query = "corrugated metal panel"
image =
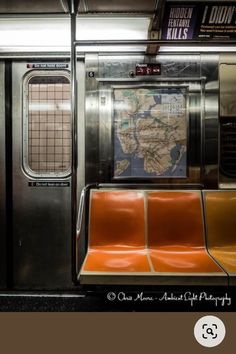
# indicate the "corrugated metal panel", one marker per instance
pixel 61 6
pixel 228 147
pixel 31 7
pixel 113 6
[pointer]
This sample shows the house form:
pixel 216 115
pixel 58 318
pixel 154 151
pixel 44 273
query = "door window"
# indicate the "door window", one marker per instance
pixel 47 124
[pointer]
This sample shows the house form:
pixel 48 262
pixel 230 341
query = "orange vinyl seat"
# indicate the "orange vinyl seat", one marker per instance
pixel 221 229
pixel 117 244
pixel 176 238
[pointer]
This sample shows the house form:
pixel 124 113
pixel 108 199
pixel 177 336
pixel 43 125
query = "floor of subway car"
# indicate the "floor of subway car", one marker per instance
pixel 122 298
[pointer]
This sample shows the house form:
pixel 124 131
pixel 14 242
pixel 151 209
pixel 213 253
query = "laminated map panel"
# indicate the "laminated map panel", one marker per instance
pixel 150 132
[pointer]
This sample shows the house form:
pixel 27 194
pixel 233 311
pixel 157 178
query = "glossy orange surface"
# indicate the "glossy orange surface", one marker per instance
pixel 117 218
pixel 112 259
pixel 182 260
pixel 221 227
pixel 221 218
pixel 175 218
pixel 226 256
pixel 117 232
pixel 176 234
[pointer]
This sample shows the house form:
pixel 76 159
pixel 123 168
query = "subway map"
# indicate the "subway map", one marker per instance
pixel 150 132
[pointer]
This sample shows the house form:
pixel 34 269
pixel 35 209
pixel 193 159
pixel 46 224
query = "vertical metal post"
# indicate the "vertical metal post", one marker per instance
pixel 74 136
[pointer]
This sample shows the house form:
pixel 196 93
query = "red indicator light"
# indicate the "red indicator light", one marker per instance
pixel 148 69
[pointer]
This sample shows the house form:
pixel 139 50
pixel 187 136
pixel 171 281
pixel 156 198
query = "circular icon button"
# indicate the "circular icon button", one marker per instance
pixel 209 331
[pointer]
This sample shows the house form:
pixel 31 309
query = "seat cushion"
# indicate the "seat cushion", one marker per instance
pixel 220 218
pixel 226 256
pixel 182 259
pixel 175 218
pixel 117 218
pixel 116 259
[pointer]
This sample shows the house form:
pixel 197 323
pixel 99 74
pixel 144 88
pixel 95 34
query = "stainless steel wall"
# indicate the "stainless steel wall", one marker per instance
pixel 210 102
pixel 81 245
pixel 197 72
pixel 227 95
pixel 2 180
pixel 41 216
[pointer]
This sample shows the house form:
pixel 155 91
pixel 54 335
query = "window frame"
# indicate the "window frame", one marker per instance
pixel 25 125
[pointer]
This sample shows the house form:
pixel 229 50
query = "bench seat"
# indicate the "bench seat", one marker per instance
pixel 176 238
pixel 148 237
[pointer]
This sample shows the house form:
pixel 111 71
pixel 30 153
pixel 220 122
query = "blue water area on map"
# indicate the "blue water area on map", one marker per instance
pixel 157 98
pixel 143 114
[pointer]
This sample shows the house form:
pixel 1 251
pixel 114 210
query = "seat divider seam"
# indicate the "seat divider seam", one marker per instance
pixel 145 193
pixel 204 216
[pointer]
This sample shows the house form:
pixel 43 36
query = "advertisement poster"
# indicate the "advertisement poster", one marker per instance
pixel 204 20
pixel 217 22
pixel 179 22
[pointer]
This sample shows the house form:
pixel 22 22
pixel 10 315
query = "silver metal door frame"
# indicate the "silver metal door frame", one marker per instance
pixel 3 249
pixel 41 215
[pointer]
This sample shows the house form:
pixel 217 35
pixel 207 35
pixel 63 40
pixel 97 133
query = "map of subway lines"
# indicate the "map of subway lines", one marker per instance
pixel 150 137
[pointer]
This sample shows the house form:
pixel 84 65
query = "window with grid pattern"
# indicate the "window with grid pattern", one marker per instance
pixel 49 125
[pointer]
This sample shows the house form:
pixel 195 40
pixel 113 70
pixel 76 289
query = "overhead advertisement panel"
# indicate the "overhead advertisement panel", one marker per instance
pixel 205 20
pixel 179 21
pixel 218 21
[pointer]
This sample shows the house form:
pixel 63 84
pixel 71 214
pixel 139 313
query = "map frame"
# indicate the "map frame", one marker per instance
pixel 182 88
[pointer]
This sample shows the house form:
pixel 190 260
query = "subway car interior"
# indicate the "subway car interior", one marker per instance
pixel 117 151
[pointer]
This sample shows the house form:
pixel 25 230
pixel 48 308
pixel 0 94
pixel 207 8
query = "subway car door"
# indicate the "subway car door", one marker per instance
pixel 41 182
